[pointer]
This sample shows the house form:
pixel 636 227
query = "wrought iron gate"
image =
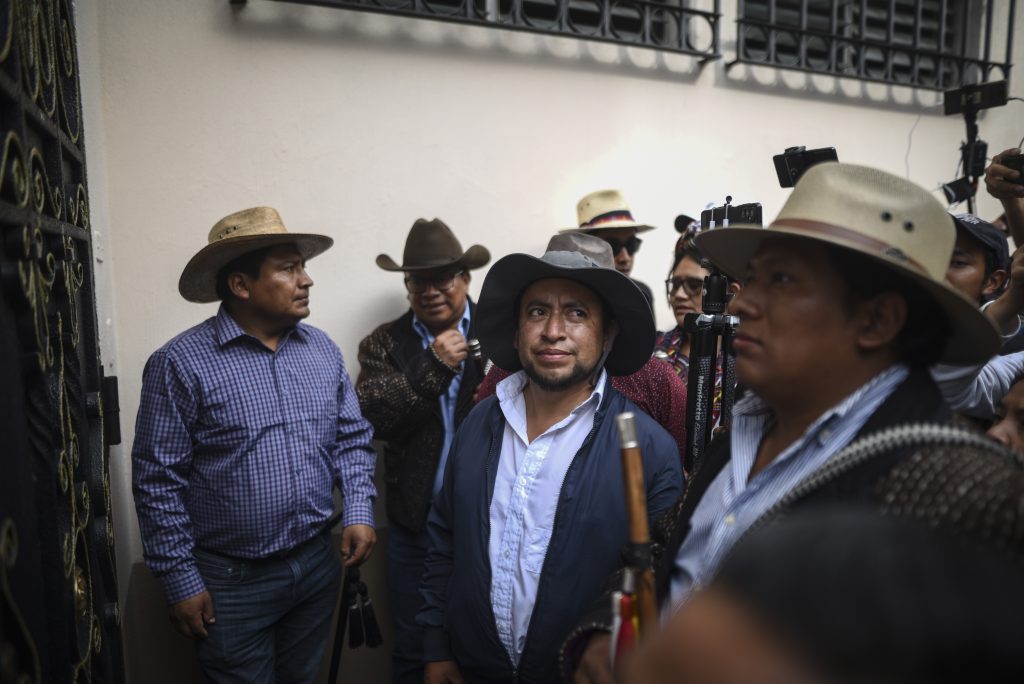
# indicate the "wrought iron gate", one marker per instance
pixel 59 619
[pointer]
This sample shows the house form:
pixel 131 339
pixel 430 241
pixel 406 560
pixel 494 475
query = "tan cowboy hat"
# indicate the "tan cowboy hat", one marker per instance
pixel 234 235
pixel 884 217
pixel 604 210
pixel 587 259
pixel 432 244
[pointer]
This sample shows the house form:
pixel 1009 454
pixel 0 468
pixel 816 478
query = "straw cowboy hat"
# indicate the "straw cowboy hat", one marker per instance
pixel 574 256
pixel 605 210
pixel 234 235
pixel 885 218
pixel 432 244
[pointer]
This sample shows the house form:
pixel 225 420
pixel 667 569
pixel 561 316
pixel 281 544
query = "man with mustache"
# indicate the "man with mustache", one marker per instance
pixel 416 386
pixel 531 515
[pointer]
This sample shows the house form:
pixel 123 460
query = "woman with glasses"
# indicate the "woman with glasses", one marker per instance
pixel 684 288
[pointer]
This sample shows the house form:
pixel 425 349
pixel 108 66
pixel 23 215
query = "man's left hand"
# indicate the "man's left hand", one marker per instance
pixel 357 542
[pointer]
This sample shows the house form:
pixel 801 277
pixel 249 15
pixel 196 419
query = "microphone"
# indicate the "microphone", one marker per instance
pixel 478 357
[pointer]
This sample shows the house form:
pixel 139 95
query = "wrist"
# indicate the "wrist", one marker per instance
pixel 440 359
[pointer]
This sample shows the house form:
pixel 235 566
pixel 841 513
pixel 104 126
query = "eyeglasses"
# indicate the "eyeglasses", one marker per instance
pixel 691 286
pixel 631 244
pixel 442 283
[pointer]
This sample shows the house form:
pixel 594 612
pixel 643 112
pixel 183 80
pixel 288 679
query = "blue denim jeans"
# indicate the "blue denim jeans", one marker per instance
pixel 273 615
pixel 406 553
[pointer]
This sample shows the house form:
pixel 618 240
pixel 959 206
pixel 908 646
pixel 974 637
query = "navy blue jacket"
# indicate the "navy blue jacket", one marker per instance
pixel 586 542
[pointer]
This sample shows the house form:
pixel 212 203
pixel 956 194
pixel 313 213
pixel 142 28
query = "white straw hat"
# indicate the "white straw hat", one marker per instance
pixel 884 217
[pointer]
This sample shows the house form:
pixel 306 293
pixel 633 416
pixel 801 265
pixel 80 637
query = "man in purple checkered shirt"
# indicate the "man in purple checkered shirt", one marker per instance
pixel 246 424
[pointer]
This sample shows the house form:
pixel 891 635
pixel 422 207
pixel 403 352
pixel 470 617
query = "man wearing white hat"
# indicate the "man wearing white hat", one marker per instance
pixel 605 214
pixel 844 307
pixel 247 423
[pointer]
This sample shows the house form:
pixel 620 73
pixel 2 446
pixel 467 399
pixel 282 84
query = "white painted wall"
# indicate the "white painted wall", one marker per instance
pixel 354 125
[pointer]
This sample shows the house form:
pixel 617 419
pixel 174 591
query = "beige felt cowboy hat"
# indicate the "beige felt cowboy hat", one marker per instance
pixel 884 217
pixel 605 210
pixel 235 235
pixel 432 244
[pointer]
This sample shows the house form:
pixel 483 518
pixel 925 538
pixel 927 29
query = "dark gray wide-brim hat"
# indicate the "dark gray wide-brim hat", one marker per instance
pixel 432 244
pixel 497 318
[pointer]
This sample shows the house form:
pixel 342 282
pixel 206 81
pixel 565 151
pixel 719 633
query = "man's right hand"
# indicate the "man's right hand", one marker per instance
pixel 191 616
pixel 999 179
pixel 442 672
pixel 595 665
pixel 451 347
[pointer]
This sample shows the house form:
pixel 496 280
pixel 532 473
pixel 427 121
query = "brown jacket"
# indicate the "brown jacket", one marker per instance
pixel 399 388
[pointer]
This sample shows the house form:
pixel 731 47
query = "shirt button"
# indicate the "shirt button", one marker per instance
pixel 508 553
pixel 730 519
pixel 825 434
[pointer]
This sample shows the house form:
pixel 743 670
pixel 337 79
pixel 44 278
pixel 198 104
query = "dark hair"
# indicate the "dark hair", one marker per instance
pixel 922 340
pixel 684 248
pixel 867 598
pixel 249 263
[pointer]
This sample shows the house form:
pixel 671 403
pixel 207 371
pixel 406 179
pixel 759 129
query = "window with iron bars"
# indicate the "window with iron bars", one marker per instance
pixel 931 44
pixel 683 26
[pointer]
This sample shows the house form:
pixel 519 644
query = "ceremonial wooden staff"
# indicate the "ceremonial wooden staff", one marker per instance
pixel 638 550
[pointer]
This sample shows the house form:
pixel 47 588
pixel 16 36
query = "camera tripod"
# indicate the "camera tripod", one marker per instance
pixel 705 330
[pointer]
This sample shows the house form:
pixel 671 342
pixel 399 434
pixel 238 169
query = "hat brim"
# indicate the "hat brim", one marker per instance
pixel 974 338
pixel 473 258
pixel 610 225
pixel 497 318
pixel 198 282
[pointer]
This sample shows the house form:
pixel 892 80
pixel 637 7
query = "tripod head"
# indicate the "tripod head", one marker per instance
pixel 969 100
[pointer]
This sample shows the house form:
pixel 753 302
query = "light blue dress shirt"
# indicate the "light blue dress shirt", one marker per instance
pixel 732 503
pixel 449 398
pixel 526 491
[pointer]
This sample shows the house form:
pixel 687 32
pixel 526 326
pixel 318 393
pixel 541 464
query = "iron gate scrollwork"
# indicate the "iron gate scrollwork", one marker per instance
pixel 59 617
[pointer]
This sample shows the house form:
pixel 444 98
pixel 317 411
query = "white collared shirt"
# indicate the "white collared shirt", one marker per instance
pixel 526 492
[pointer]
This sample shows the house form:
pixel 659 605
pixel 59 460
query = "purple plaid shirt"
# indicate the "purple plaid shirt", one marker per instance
pixel 237 448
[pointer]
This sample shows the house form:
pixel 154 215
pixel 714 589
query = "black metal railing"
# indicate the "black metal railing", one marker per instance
pixel 931 44
pixel 669 25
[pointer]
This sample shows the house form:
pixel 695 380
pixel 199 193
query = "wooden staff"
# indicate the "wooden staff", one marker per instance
pixel 638 554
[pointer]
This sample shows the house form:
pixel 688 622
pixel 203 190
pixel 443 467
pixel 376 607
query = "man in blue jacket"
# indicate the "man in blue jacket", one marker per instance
pixel 531 515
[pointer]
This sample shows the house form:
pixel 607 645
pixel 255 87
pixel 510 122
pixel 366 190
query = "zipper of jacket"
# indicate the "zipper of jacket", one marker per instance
pixel 487 537
pixel 554 525
pixel 868 447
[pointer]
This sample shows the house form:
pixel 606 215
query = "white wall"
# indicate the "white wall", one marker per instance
pixel 354 125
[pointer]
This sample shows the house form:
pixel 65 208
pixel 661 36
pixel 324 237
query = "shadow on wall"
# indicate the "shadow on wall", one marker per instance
pixel 156 654
pixel 290 23
pixel 287 23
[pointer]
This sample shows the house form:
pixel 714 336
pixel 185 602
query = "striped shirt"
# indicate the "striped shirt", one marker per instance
pixel 237 447
pixel 732 503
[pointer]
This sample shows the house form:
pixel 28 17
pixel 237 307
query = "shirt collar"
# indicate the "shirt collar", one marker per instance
pixel 421 328
pixel 228 330
pixel 512 388
pixel 753 405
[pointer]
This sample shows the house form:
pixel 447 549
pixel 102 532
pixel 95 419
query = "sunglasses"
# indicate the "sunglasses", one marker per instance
pixel 691 286
pixel 631 244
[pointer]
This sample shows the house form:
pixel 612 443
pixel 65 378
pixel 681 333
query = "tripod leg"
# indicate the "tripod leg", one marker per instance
pixel 339 629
